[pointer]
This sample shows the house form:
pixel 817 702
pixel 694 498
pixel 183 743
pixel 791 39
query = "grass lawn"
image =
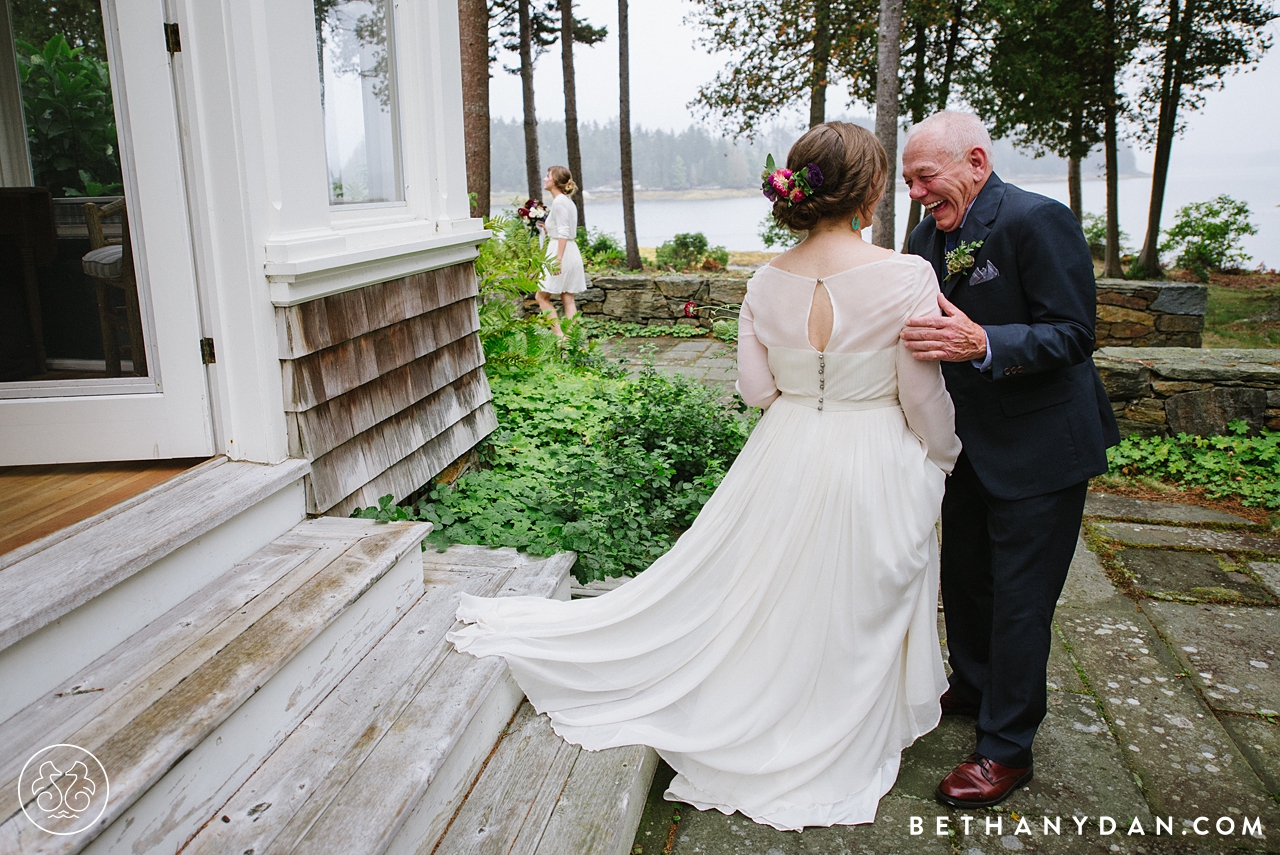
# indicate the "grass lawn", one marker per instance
pixel 1244 310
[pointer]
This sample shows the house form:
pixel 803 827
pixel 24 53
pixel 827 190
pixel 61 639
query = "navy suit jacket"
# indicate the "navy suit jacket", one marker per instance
pixel 1038 420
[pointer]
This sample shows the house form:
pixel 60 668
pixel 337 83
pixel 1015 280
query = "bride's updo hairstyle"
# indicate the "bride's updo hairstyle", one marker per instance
pixel 563 179
pixel 854 169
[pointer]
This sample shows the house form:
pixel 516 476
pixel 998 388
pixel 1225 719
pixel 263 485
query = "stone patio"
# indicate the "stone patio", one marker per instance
pixel 705 359
pixel 1163 698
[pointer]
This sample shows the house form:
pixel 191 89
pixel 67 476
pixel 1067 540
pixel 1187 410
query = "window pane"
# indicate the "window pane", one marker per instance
pixel 69 303
pixel 357 89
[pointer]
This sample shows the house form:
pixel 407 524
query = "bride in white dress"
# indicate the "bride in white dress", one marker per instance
pixel 785 650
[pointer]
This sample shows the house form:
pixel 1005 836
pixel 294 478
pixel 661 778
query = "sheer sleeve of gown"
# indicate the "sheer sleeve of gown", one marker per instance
pixel 755 380
pixel 921 390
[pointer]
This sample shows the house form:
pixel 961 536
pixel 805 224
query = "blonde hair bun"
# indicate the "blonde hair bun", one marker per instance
pixel 563 179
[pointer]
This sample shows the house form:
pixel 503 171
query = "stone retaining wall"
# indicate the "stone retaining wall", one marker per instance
pixel 1130 314
pixel 1150 314
pixel 656 299
pixel 1170 390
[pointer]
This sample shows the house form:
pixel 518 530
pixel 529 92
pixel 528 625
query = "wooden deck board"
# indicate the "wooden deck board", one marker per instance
pixel 39 500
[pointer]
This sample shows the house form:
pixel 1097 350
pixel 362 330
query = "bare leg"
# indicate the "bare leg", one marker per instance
pixel 570 307
pixel 544 303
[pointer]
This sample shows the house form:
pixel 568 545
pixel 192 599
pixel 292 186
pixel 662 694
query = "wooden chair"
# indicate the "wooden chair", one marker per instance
pixel 26 214
pixel 110 266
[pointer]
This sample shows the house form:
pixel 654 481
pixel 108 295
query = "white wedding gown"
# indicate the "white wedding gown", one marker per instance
pixel 785 650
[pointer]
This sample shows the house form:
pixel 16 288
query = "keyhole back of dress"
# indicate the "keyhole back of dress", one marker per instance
pixel 821 318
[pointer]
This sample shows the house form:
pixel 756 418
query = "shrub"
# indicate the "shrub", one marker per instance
pixel 690 250
pixel 1206 235
pixel 773 233
pixel 1236 465
pixel 1095 234
pixel 612 467
pixel 511 264
pixel 600 250
pixel 71 124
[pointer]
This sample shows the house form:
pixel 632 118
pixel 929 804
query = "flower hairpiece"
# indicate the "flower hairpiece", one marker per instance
pixel 791 186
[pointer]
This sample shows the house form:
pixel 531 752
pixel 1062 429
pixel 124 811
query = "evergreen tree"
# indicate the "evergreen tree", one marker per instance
pixel 1189 46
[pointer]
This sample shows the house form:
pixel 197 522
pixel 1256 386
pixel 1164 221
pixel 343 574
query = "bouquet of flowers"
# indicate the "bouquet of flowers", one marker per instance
pixel 532 213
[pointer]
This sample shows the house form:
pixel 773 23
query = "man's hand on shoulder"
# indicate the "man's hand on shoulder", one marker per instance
pixel 949 338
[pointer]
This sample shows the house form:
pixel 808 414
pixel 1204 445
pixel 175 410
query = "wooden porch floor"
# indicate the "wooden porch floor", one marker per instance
pixel 38 500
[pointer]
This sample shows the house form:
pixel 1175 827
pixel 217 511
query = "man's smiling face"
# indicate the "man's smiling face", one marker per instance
pixel 944 185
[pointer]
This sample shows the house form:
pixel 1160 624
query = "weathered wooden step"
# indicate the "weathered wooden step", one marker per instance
pixel 66 598
pixel 539 795
pixel 178 713
pixel 383 762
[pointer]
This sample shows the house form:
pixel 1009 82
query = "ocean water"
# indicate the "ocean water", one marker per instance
pixel 735 223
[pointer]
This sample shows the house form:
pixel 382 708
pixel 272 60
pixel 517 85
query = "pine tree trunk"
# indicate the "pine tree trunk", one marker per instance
pixel 919 49
pixel 949 64
pixel 1148 265
pixel 1074 190
pixel 533 171
pixel 473 26
pixel 624 139
pixel 821 62
pixel 571 107
pixel 1112 268
pixel 888 56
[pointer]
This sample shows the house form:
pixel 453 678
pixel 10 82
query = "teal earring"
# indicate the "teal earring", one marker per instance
pixel 857 224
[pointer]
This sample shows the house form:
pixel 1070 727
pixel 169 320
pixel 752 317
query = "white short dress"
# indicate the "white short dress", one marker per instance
pixel 562 222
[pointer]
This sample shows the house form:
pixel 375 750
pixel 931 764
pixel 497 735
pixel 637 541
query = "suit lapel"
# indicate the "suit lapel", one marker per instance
pixel 977 226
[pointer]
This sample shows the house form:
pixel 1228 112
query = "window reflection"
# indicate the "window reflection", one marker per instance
pixel 357 85
pixel 69 306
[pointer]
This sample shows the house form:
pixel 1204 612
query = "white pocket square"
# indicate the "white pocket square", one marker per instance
pixel 987 272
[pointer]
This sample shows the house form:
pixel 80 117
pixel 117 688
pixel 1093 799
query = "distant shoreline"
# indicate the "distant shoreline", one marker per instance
pixel 503 198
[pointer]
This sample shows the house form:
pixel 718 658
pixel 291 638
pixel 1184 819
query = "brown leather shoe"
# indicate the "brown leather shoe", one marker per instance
pixel 980 782
pixel 951 705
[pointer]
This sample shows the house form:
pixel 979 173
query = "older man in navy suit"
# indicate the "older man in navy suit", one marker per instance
pixel 1015 340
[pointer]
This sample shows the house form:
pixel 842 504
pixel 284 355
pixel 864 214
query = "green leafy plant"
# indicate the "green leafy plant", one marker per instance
pixel 1236 465
pixel 773 233
pixel 1095 234
pixel 609 466
pixel 511 264
pixel 71 123
pixel 726 330
pixel 600 250
pixel 690 250
pixel 1206 236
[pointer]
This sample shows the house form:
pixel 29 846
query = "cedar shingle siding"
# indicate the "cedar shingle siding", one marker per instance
pixel 384 386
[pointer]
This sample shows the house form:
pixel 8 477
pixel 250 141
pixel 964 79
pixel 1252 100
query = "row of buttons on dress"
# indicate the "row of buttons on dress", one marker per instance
pixel 822 364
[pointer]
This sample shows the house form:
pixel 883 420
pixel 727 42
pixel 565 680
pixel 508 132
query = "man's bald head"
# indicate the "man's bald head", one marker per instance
pixel 956 134
pixel 946 163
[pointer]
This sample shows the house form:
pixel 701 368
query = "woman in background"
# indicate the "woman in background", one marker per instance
pixel 567 276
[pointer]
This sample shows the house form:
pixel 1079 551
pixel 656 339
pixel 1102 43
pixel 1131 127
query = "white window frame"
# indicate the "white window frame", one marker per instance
pixel 166 414
pixel 315 249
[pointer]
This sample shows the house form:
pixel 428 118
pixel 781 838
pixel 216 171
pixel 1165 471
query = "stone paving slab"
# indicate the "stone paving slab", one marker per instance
pixel 1187 763
pixel 1197 575
pixel 1229 651
pixel 1132 534
pixel 1087 584
pixel 713 833
pixel 1269 573
pixel 1259 740
pixel 1125 508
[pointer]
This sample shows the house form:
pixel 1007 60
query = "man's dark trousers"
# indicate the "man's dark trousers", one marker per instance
pixel 1035 424
pixel 1008 558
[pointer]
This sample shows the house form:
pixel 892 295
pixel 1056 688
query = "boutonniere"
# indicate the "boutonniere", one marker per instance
pixel 960 259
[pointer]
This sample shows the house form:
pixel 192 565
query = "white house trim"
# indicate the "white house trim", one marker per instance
pixel 308 278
